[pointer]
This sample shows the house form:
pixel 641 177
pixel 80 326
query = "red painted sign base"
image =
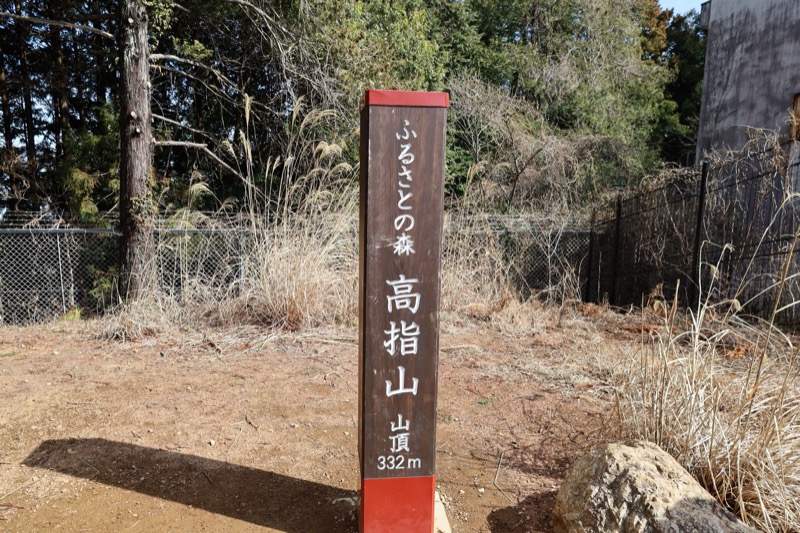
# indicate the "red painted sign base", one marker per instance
pixel 397 505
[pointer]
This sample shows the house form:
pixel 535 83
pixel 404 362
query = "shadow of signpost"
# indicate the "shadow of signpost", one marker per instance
pixel 256 496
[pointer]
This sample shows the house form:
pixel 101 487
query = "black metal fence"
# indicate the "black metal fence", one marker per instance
pixel 723 233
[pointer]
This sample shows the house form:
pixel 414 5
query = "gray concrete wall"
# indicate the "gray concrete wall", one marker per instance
pixel 752 70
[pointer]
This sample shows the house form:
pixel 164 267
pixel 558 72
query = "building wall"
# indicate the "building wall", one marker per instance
pixel 752 70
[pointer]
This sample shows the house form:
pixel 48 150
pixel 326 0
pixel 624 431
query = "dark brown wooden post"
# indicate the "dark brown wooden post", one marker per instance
pixel 402 192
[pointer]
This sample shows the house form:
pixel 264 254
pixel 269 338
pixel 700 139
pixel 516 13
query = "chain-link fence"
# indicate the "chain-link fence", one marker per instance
pixel 490 260
pixel 49 270
pixel 542 258
pixel 47 273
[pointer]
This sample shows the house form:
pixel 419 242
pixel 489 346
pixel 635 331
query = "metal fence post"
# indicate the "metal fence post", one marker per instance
pixel 61 274
pixel 701 207
pixel 588 295
pixel 615 261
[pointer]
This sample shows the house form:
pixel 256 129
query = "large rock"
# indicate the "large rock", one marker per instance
pixel 636 487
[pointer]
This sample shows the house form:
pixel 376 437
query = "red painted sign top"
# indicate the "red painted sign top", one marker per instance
pixel 406 99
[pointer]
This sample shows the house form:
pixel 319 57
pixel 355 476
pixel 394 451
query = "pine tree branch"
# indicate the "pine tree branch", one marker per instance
pixel 59 23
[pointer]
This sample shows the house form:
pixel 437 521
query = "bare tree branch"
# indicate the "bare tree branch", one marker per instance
pixel 59 23
pixel 184 126
pixel 177 59
pixel 216 91
pixel 271 24
pixel 204 148
pixel 260 12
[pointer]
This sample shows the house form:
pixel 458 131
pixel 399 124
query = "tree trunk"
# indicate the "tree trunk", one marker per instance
pixel 79 101
pixel 30 133
pixel 8 130
pixel 137 248
pixel 59 88
pixel 6 104
pixel 8 134
pixel 100 81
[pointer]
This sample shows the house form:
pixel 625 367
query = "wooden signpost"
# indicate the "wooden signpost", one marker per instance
pixel 402 191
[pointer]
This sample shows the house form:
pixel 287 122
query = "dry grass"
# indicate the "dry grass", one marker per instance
pixel 474 274
pixel 723 397
pixel 302 271
pixel 287 258
pixel 299 274
pixel 717 389
pixel 152 314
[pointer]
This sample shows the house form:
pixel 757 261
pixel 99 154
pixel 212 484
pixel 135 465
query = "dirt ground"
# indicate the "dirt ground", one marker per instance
pixel 250 429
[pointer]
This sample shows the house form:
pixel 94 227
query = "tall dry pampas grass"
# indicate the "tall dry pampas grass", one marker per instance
pixel 289 259
pixel 301 267
pixel 299 274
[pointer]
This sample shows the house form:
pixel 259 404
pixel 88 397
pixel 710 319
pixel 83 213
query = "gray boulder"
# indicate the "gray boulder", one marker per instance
pixel 636 487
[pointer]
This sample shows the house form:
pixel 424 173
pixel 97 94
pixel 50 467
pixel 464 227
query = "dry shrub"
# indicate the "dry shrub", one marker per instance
pixel 734 423
pixel 519 161
pixel 474 273
pixel 755 218
pixel 300 274
pixel 748 217
pixel 152 314
pixel 522 162
pixel 511 272
pixel 296 260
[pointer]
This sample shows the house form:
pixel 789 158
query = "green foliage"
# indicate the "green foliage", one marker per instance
pixel 160 14
pixel 589 69
pixel 577 95
pixel 88 172
pixel 73 315
pixel 459 163
pixel 103 287
pixel 686 52
pixel 458 38
pixel 194 50
pixel 390 44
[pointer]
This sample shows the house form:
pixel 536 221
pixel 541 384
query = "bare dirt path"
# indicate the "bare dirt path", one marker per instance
pixel 249 430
